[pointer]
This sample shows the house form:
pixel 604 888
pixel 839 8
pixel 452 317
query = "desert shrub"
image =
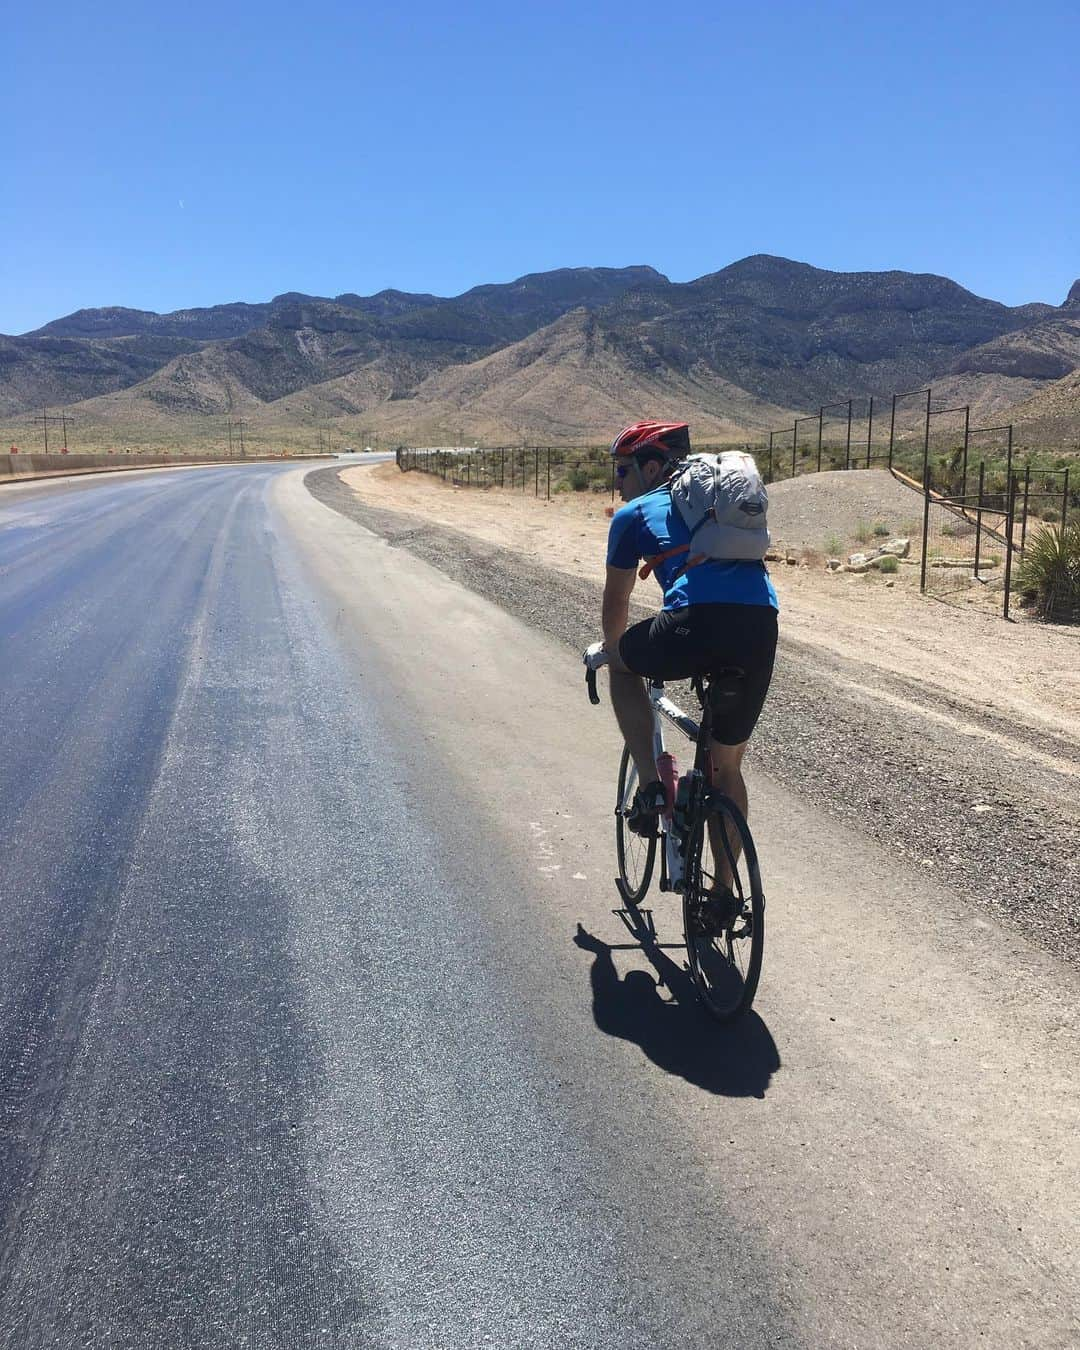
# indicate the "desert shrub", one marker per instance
pixel 1051 567
pixel 863 532
pixel 832 545
pixel 1050 516
pixel 949 531
pixel 578 478
pixel 881 530
pixel 889 564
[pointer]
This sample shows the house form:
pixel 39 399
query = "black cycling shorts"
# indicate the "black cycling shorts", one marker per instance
pixel 701 639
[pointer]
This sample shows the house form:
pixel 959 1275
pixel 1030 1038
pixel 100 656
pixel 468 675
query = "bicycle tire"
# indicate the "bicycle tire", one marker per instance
pixel 636 854
pixel 724 956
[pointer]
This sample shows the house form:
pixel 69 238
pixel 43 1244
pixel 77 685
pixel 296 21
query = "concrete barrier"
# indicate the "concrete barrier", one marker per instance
pixel 22 465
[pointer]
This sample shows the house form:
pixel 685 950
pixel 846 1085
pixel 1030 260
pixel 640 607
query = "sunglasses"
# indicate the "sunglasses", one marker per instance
pixel 621 470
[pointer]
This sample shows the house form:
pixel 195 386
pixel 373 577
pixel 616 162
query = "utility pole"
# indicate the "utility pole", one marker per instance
pixel 240 428
pixel 45 418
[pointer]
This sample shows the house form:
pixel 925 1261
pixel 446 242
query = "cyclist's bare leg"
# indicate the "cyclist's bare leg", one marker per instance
pixel 728 779
pixel 634 714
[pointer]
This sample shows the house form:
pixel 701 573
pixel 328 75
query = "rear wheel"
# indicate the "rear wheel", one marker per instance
pixel 637 855
pixel 725 933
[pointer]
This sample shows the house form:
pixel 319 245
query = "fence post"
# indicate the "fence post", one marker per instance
pixel 1024 514
pixel 925 533
pixel 870 432
pixel 820 426
pixel 926 442
pixel 892 429
pixel 967 437
pixel 794 444
pixel 1010 509
pixel 548 456
pixel 1065 501
pixel 536 468
pixel 978 516
pixel 1008 463
pixel 847 443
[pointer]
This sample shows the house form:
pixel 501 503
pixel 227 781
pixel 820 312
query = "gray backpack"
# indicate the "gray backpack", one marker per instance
pixel 723 503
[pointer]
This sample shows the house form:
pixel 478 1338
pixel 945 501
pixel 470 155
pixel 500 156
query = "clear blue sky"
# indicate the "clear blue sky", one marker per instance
pixel 163 156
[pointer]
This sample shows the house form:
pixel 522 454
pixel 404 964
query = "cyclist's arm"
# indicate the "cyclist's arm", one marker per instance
pixel 615 610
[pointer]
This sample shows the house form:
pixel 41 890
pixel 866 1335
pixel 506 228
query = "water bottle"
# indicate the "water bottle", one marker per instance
pixel 684 795
pixel 668 772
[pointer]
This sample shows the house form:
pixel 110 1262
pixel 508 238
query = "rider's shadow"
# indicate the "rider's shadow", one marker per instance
pixel 675 1033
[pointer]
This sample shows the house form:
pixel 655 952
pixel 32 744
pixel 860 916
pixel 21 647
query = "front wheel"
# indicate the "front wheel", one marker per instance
pixel 636 854
pixel 724 926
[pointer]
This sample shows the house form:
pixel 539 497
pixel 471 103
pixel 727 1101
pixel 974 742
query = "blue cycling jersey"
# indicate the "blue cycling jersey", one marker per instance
pixel 650 525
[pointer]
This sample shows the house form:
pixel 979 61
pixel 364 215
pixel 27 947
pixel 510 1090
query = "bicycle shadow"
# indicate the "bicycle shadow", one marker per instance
pixel 676 1034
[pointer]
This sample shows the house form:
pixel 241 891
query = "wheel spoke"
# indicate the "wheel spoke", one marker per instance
pixel 724 927
pixel 636 854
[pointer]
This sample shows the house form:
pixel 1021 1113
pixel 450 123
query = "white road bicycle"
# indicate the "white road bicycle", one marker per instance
pixel 705 849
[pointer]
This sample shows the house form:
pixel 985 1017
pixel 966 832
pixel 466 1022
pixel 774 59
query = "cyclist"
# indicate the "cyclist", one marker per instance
pixel 716 614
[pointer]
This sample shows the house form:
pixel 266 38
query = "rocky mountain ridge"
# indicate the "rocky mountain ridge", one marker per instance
pixel 556 353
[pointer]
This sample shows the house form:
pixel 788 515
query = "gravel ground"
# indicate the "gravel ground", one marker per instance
pixel 1003 831
pixel 805 511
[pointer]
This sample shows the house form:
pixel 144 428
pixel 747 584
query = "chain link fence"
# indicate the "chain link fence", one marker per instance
pixel 1012 540
pixel 985 518
pixel 540 470
pixel 966 553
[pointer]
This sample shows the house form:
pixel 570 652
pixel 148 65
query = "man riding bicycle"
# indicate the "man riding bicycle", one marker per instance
pixel 717 614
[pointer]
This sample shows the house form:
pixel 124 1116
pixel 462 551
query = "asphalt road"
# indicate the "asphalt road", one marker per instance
pixel 296 1044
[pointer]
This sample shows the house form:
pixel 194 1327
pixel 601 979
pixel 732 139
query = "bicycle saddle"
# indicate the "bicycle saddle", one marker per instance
pixel 722 687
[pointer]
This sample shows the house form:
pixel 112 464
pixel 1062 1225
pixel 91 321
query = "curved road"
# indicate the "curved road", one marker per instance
pixel 297 1046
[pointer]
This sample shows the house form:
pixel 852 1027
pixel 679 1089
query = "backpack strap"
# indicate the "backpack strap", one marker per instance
pixel 710 514
pixel 695 561
pixel 654 562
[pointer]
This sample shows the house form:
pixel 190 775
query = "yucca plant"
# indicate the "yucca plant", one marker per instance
pixel 1050 570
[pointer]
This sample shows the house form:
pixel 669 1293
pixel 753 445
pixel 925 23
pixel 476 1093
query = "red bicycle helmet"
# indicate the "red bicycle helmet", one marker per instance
pixel 671 439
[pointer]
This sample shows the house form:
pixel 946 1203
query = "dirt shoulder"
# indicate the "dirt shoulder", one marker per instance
pixel 933 731
pixel 1021 677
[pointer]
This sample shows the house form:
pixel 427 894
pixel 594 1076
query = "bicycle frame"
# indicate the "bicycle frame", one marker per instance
pixel 723 912
pixel 671 858
pixel 674 714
